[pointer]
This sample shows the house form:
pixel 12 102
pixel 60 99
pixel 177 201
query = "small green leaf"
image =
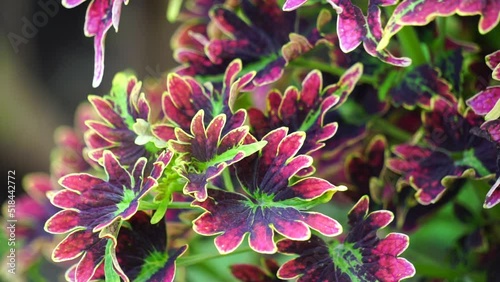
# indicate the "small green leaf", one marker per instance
pixel 174 7
pixel 160 211
pixel 387 85
pixel 120 98
pixel 247 150
pixel 109 270
pixel 302 204
pixel 494 113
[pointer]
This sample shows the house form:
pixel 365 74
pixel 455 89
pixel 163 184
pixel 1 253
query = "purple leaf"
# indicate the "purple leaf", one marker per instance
pixel 422 12
pixel 354 28
pixel 493 61
pixel 101 14
pixel 207 151
pixel 363 256
pixel 270 204
pixel 483 102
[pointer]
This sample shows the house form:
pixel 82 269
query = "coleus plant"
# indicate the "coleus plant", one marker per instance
pixel 272 111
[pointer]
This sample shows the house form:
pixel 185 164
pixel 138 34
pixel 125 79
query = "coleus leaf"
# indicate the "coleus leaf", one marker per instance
pixel 101 14
pixel 186 97
pixel 291 5
pixel 354 28
pixel 361 257
pixel 493 195
pixel 490 131
pixel 146 260
pixel 426 170
pixel 206 151
pixel 263 209
pixel 263 47
pixel 419 86
pixel 92 203
pixel 493 61
pixel 119 113
pixel 453 152
pixel 422 12
pixel 91 246
pixel 486 103
pixel 305 110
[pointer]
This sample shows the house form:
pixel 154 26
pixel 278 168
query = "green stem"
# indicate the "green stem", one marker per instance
pixel 410 45
pixel 441 23
pixel 195 259
pixel 228 182
pixel 468 158
pixel 180 205
pixel 426 265
pixel 332 69
pixel 390 129
pixel 143 205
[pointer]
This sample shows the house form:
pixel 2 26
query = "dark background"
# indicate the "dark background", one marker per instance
pixel 45 77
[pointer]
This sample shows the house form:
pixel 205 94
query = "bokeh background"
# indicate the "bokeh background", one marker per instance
pixel 47 73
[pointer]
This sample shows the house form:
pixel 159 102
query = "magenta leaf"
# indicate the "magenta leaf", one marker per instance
pixel 490 131
pixel 305 110
pixel 92 203
pixel 422 12
pixel 493 61
pixel 291 5
pixel 483 102
pixel 186 97
pixel 270 203
pixel 258 43
pixel 207 151
pixel 88 245
pixel 146 260
pixel 354 28
pixel 101 14
pixel 122 115
pixel 454 152
pixel 425 170
pixel 493 196
pixel 363 256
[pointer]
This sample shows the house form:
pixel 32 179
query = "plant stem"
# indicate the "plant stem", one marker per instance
pixel 143 205
pixel 228 182
pixel 332 69
pixel 410 45
pixel 390 129
pixel 441 41
pixel 180 205
pixel 195 259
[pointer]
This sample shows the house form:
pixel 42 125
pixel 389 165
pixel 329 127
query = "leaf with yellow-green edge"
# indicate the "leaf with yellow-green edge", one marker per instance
pixel 422 12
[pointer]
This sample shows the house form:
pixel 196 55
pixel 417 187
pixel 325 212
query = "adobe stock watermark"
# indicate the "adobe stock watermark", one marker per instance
pixel 30 27
pixel 11 222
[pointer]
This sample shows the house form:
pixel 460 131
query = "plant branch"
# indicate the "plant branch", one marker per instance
pixel 390 129
pixel 195 259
